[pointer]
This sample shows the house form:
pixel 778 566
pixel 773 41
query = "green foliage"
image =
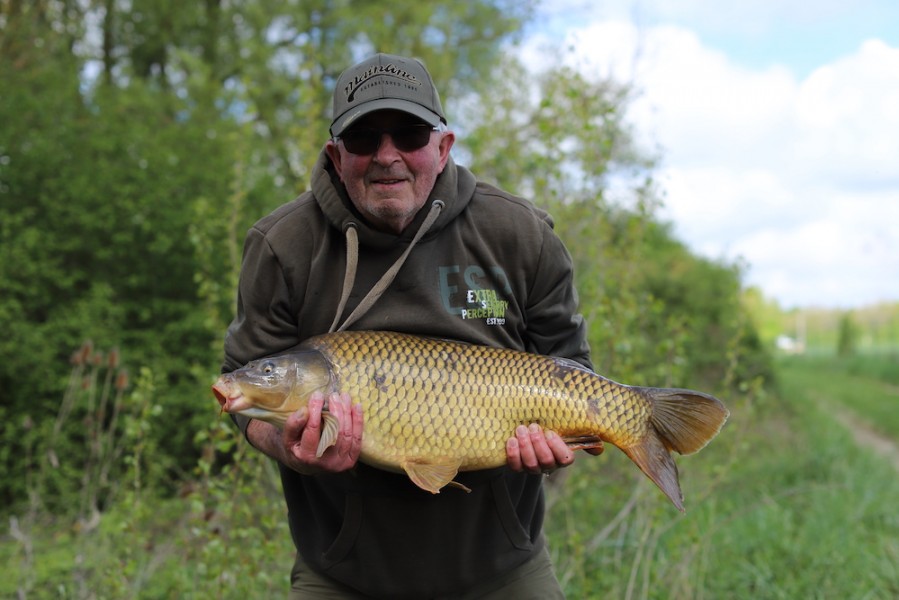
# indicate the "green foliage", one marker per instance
pixel 96 524
pixel 847 338
pixel 223 537
pixel 96 217
pixel 769 318
pixel 560 144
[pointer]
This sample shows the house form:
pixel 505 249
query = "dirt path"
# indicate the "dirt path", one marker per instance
pixel 867 437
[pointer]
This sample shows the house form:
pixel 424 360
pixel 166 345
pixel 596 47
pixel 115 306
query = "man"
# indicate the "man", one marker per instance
pixel 394 236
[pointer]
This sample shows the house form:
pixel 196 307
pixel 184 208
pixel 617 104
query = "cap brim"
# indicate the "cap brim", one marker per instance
pixel 417 110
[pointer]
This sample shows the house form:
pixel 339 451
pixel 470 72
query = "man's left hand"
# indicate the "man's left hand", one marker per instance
pixel 537 451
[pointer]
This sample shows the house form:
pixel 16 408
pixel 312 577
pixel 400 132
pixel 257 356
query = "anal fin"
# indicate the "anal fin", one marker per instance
pixel 583 442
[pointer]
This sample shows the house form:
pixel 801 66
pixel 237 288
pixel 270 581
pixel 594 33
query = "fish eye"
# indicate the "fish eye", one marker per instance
pixel 268 367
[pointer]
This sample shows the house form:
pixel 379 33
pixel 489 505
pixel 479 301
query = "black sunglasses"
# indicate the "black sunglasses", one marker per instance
pixel 406 138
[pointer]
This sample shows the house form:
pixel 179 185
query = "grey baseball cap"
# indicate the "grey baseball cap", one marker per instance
pixel 385 82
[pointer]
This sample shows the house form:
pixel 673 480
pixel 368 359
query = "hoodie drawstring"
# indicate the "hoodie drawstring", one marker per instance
pixel 349 277
pixel 352 249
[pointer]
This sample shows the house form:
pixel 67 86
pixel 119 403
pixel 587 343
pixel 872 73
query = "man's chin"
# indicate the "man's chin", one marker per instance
pixel 391 213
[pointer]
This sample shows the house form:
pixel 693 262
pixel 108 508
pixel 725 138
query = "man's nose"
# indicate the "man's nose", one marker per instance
pixel 387 150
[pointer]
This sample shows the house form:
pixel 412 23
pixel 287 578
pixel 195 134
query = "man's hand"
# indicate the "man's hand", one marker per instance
pixel 303 429
pixel 537 451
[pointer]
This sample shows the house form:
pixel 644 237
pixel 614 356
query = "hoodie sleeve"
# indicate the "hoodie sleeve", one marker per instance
pixel 264 323
pixel 554 325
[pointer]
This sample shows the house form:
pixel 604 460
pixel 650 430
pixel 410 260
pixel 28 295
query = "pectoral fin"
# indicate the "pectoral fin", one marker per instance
pixel 432 476
pixel 330 431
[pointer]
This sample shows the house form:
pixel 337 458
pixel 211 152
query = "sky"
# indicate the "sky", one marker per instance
pixel 777 127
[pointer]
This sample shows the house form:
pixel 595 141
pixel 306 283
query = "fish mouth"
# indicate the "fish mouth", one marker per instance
pixel 228 394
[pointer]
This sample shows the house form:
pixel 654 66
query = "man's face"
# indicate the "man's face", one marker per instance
pixel 389 186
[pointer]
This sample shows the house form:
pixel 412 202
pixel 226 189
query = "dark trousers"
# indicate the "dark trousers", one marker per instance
pixel 534 580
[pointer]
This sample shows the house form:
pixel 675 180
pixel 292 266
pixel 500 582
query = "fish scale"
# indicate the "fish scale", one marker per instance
pixel 434 407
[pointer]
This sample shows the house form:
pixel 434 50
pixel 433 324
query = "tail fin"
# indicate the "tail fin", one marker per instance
pixel 683 421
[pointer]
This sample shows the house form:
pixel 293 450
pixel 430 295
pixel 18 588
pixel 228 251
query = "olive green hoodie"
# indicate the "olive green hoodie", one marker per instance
pixel 489 270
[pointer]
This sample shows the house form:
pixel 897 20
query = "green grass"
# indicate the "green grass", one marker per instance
pixel 867 385
pixel 782 504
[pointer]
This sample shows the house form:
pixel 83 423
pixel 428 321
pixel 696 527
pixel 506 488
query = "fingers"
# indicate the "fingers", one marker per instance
pixel 303 433
pixel 561 453
pixel 341 408
pixel 522 452
pixel 513 456
pixel 293 428
pixel 306 449
pixel 536 451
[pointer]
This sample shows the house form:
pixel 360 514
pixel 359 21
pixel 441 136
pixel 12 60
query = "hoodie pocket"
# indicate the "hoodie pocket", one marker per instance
pixel 349 532
pixel 508 516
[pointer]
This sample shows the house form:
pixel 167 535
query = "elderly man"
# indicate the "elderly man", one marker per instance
pixel 393 235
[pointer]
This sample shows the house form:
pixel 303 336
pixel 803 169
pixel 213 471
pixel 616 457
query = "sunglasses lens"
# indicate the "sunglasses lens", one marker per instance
pixel 411 137
pixel 361 141
pixel 406 139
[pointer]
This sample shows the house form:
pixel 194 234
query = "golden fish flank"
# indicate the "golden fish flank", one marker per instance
pixel 433 408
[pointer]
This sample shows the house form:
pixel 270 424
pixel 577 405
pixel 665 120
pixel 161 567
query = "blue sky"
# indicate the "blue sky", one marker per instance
pixel 800 35
pixel 795 33
pixel 778 123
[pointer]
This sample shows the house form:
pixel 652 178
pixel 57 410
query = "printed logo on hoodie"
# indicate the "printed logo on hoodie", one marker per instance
pixel 475 292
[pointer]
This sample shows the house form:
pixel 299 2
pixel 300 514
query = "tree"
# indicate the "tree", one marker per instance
pixel 847 336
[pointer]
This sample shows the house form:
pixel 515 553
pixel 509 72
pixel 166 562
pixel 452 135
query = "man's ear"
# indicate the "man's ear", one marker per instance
pixel 446 144
pixel 334 154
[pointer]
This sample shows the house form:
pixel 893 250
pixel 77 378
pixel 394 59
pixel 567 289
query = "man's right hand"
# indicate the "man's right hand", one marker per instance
pixel 302 433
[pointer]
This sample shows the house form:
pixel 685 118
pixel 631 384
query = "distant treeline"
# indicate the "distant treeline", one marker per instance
pixel 865 329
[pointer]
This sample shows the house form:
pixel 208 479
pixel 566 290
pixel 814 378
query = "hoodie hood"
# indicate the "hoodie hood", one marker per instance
pixel 454 186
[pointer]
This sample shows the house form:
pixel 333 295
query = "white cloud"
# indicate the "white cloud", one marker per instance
pixel 704 104
pixel 716 205
pixel 827 261
pixel 847 117
pixel 798 177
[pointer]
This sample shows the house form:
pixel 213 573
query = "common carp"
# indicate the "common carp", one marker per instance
pixel 435 407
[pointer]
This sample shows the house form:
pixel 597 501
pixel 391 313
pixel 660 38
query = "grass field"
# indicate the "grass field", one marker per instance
pixel 785 503
pixel 866 384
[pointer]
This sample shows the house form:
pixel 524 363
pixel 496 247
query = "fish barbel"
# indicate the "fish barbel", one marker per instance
pixel 434 407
